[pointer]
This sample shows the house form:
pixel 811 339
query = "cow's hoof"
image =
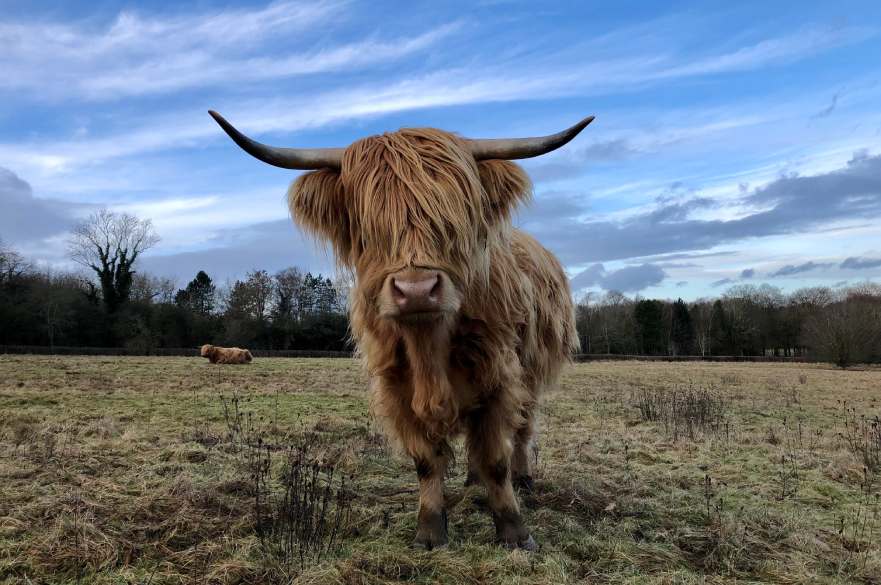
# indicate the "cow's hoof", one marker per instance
pixel 511 532
pixel 528 544
pixel 523 483
pixel 429 542
pixel 431 531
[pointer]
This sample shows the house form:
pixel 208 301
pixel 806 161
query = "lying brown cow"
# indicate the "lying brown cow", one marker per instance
pixel 462 320
pixel 226 355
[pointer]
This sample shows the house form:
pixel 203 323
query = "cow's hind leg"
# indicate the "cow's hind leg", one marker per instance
pixel 473 477
pixel 521 467
pixel 490 438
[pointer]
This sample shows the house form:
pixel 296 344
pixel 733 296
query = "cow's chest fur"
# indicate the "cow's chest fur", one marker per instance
pixel 468 371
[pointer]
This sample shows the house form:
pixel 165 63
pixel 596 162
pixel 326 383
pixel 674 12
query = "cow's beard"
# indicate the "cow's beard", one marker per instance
pixel 427 346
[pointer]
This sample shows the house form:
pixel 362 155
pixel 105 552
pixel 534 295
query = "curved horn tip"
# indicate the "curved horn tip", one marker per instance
pixel 579 126
pixel 222 122
pixel 519 148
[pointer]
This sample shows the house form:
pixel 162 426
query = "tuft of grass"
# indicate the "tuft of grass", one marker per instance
pixel 685 412
pixel 729 379
pixel 862 434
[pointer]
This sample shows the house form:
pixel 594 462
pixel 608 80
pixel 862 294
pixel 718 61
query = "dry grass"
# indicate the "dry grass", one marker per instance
pixel 126 470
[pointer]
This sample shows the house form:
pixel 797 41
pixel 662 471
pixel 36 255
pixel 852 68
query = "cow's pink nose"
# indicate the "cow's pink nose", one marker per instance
pixel 417 293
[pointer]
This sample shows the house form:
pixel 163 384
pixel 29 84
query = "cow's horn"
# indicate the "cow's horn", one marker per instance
pixel 286 158
pixel 513 148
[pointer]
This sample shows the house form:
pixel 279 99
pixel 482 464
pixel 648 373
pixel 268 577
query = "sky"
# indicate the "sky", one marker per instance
pixel 734 142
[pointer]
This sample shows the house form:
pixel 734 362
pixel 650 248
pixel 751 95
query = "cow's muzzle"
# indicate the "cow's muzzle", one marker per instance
pixel 418 293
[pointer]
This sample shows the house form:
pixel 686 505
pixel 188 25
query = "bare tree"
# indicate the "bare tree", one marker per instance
pixel 251 297
pixel 288 283
pixel 845 332
pixel 51 309
pixel 702 313
pixel 343 283
pixel 616 322
pixel 261 284
pixel 12 264
pixel 110 243
pixel 585 311
pixel 147 288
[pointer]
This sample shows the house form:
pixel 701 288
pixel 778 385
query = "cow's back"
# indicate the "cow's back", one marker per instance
pixel 550 338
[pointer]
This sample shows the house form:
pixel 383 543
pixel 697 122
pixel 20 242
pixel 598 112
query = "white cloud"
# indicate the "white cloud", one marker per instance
pixel 190 128
pixel 201 69
pixel 450 87
pixel 771 51
pixel 136 55
pixel 186 222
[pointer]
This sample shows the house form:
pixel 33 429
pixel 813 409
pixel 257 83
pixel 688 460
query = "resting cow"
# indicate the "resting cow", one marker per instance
pixel 226 355
pixel 462 320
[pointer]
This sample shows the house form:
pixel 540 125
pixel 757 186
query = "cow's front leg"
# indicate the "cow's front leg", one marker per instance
pixel 430 455
pixel 521 467
pixel 431 467
pixel 491 433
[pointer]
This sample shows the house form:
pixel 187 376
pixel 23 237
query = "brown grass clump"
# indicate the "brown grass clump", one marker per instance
pixel 862 434
pixel 686 412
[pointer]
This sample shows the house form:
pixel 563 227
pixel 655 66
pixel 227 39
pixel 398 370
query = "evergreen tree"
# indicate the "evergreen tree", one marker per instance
pixel 720 330
pixel 198 296
pixel 649 317
pixel 682 333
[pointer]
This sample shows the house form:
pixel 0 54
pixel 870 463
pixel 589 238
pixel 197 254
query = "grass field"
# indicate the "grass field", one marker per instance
pixel 138 470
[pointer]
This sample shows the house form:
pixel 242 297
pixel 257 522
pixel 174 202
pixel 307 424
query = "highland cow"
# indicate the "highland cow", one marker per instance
pixel 226 355
pixel 461 319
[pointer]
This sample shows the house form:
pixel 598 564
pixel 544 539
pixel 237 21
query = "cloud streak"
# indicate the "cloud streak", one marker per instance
pixel 79 59
pixel 231 253
pixel 859 263
pixel 787 205
pixel 205 70
pixel 794 269
pixel 627 279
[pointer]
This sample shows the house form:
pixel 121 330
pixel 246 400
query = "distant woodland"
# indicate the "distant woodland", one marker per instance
pixel 109 303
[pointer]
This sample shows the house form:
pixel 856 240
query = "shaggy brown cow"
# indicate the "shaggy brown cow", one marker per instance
pixel 226 355
pixel 461 319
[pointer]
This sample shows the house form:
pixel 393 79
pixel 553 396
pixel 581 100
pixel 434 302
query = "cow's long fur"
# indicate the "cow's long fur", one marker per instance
pixel 226 355
pixel 417 198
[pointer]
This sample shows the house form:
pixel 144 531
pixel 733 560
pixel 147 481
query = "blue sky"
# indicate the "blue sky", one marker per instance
pixel 734 142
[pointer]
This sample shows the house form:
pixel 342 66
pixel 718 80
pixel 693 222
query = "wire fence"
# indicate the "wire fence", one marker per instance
pixel 311 353
pixel 591 357
pixel 162 351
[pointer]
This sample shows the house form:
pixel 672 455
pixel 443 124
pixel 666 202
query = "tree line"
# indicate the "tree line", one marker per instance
pixel 842 326
pixel 115 305
pixel 285 310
